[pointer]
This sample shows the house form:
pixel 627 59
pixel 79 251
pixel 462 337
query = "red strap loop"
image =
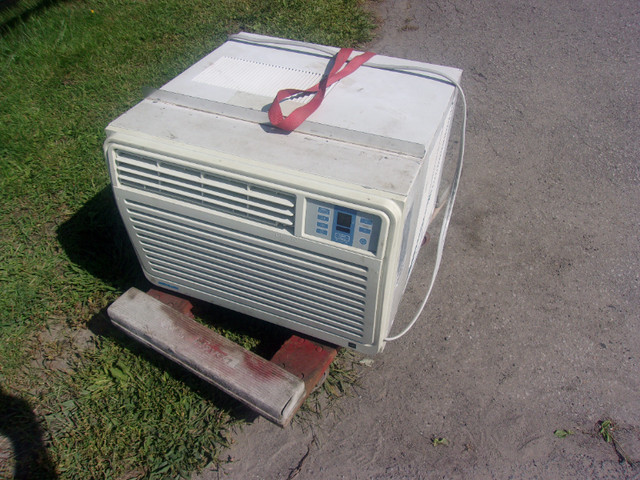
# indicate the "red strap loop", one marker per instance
pixel 300 114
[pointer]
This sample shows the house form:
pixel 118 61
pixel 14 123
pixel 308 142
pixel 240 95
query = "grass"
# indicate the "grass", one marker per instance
pixel 606 429
pixel 104 408
pixel 139 416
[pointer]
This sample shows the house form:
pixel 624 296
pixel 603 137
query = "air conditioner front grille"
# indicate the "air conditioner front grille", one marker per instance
pixel 274 279
pixel 213 192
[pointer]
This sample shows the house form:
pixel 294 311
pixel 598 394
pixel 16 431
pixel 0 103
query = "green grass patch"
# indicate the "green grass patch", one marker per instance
pixel 127 412
pixel 106 409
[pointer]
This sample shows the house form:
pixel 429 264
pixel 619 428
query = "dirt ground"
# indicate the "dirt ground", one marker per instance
pixel 534 323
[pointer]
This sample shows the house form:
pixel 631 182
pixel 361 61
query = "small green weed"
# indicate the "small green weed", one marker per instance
pixel 606 430
pixel 343 375
pixel 563 433
pixel 115 420
pixel 437 441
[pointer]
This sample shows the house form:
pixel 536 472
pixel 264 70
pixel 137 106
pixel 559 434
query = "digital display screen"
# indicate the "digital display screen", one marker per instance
pixel 344 220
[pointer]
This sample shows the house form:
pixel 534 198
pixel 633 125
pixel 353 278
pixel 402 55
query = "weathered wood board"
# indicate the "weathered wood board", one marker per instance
pixel 262 385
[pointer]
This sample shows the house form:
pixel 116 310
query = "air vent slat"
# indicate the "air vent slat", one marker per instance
pixel 281 306
pixel 195 240
pixel 197 192
pixel 257 78
pixel 260 280
pixel 250 264
pixel 192 230
pixel 299 286
pixel 300 299
pixel 190 184
pixel 195 176
pixel 184 194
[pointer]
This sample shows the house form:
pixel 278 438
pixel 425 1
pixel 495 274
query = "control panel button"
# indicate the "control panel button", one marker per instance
pixel 365 230
pixel 320 231
pixel 322 225
pixel 342 237
pixel 366 221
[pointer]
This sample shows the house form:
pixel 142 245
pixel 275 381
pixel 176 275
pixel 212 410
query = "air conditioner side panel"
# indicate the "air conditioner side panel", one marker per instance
pixel 421 204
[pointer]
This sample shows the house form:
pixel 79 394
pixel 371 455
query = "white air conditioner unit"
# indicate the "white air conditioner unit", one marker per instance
pixel 315 230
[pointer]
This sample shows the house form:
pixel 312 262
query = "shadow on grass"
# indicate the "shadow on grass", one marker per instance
pixel 95 239
pixel 18 423
pixel 16 12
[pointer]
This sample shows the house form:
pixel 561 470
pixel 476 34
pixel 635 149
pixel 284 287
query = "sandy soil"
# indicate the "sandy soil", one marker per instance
pixel 534 324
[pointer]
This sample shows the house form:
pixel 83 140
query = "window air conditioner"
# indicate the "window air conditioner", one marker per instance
pixel 316 230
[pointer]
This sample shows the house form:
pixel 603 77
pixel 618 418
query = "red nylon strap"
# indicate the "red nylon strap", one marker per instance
pixel 300 114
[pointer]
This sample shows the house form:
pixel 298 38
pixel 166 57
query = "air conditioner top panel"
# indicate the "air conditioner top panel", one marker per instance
pixel 150 124
pixel 395 110
pixel 372 130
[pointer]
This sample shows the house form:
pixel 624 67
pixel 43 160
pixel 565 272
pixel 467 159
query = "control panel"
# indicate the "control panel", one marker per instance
pixel 342 225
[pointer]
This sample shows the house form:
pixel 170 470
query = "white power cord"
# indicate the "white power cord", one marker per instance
pixel 248 38
pixel 447 217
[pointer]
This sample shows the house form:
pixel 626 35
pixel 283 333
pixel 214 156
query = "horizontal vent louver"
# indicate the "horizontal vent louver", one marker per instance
pixel 213 192
pixel 303 287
